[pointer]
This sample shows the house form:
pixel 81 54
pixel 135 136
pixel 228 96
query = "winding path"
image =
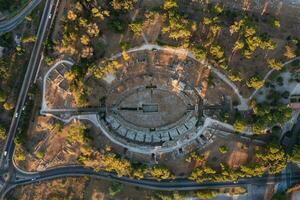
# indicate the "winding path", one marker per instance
pixel 269 74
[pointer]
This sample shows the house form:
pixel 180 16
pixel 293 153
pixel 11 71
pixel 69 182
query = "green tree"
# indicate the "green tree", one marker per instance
pixel 199 52
pixel 112 163
pixel 207 194
pixel 240 125
pixel 217 9
pixel 255 82
pixel 3 96
pixel 123 5
pixel 276 23
pixel 161 172
pixel 274 64
pixel 169 4
pixel 115 188
pixel 216 51
pixel 2 133
pixel 136 28
pixel 223 149
pixel 279 196
pixel 236 26
pixel 295 155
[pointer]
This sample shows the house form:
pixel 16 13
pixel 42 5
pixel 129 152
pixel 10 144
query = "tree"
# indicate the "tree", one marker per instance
pixel 70 75
pixel 2 133
pixel 112 163
pixel 117 25
pixel 223 149
pixel 240 125
pixel 217 9
pixel 71 15
pixel 236 26
pixel 279 196
pixel 216 51
pixel 289 52
pixel 136 28
pixel 255 82
pixel 161 173
pixel 272 158
pixel 8 106
pixel 199 52
pixel 253 43
pixel 106 68
pixel 249 31
pixel 274 64
pixel 139 172
pixel 84 39
pixel 267 44
pixel 194 156
pixel 235 77
pixel 87 52
pixel 207 194
pixel 123 5
pixel 93 30
pixel 276 23
pixel 238 45
pixel 207 21
pixel 295 155
pixel 115 188
pixel 40 154
pixel 169 4
pixel 3 96
pixel 178 27
pixel 247 53
pixel 29 39
pixel 76 133
pixel 97 13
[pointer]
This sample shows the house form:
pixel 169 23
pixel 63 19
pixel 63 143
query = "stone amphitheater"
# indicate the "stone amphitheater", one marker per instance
pixel 153 103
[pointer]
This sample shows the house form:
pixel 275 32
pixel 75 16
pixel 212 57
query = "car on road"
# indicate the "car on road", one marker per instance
pixel 16 115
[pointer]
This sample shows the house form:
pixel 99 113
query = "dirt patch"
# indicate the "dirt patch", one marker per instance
pixel 67 188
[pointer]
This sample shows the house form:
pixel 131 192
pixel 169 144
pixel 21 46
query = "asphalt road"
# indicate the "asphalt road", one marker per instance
pixel 30 72
pixel 6 164
pixel 168 185
pixel 10 24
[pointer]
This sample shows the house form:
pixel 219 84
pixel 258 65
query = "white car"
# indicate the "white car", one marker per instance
pixel 16 115
pixel 5 153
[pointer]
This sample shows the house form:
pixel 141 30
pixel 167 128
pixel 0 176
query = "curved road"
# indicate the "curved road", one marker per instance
pixel 22 178
pixel 10 24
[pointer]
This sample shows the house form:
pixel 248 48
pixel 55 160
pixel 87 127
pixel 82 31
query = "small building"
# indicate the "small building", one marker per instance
pixel 294 99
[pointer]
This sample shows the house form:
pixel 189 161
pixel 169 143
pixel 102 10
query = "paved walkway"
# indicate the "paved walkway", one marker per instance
pixel 269 74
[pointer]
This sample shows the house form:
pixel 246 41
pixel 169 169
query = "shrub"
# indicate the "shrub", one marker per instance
pixel 136 28
pixel 240 125
pixel 223 149
pixel 255 82
pixel 2 133
pixel 115 188
pixel 161 172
